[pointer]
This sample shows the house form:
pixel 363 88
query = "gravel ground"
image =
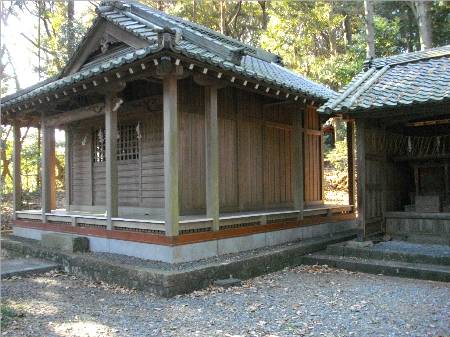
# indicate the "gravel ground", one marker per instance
pixel 302 301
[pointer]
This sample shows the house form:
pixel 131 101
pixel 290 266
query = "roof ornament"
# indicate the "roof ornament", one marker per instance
pixel 367 63
pixel 105 43
pixel 169 37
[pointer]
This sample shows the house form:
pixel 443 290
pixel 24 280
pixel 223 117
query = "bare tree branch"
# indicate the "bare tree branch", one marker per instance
pixel 35 44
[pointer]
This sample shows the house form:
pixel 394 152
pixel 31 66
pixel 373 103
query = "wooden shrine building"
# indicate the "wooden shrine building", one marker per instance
pixel 401 107
pixel 181 143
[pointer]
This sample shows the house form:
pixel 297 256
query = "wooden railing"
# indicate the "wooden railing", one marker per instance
pixel 231 221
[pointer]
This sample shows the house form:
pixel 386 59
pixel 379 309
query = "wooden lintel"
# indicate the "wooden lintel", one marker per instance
pixel 76 115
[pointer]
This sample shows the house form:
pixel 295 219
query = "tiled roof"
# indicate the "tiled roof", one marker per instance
pixel 401 80
pixel 191 40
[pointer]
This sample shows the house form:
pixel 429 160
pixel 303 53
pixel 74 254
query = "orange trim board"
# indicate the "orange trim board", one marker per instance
pixel 184 238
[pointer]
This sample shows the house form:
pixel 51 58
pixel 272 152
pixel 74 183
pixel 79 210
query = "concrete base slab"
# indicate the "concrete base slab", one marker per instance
pixel 25 266
pixel 394 251
pixel 172 279
pixel 188 252
pixel 395 258
pixel 390 268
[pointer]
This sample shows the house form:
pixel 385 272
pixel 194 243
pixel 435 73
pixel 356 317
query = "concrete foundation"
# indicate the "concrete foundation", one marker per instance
pixel 170 280
pixel 201 250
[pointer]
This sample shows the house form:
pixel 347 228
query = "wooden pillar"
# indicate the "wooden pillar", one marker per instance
pixel 67 167
pixel 17 180
pixel 361 174
pixel 112 188
pixel 48 197
pixel 351 162
pixel 298 183
pixel 170 112
pixel 212 156
pixel 52 169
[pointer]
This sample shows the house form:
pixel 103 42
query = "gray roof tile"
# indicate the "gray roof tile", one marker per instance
pixel 145 23
pixel 410 78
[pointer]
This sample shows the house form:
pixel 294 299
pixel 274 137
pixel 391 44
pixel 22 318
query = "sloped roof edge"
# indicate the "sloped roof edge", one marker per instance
pixel 399 80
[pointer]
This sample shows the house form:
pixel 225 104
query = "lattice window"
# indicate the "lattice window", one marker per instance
pixel 127 143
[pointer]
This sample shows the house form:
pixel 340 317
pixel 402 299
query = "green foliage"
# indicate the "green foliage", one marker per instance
pixel 338 156
pixel 242 20
pixel 58 45
pixel 440 22
pixel 311 38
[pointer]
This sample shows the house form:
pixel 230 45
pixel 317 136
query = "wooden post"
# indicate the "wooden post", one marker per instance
pixel 112 196
pixel 351 162
pixel 212 156
pixel 52 169
pixel 47 169
pixel 67 166
pixel 17 180
pixel 298 188
pixel 361 174
pixel 170 111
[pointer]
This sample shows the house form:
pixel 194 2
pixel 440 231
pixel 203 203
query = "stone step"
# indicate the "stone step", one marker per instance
pixel 11 267
pixel 423 254
pixel 374 266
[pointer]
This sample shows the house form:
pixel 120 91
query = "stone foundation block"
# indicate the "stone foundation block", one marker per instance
pixel 65 242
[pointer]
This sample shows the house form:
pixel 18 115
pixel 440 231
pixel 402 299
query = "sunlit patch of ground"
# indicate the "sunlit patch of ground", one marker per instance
pixel 83 329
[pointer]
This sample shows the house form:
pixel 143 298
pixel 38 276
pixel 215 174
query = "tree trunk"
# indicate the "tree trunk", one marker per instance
pixel 368 7
pixel 265 16
pixel 424 23
pixel 70 27
pixel 222 16
pixel 348 30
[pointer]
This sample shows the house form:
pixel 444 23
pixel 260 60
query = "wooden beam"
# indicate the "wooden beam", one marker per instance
pixel 212 156
pixel 205 80
pixel 298 162
pixel 67 166
pixel 351 162
pixel 126 37
pixel 170 112
pixel 67 117
pixel 361 174
pixel 47 171
pixel 17 181
pixel 112 196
